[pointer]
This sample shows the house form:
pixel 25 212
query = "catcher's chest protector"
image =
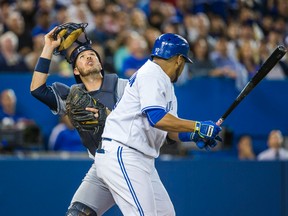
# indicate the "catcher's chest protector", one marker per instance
pixel 107 94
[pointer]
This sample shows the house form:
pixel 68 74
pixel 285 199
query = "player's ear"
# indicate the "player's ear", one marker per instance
pixel 179 59
pixel 76 71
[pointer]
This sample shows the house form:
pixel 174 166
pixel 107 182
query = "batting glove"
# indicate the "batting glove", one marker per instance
pixel 208 144
pixel 207 129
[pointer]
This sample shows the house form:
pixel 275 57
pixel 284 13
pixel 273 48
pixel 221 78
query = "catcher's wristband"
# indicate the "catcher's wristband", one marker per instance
pixel 43 65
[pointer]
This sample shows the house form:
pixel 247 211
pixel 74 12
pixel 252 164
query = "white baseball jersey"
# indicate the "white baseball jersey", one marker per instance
pixel 150 87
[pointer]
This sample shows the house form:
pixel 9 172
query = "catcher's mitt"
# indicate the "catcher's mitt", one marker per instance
pixel 69 33
pixel 83 120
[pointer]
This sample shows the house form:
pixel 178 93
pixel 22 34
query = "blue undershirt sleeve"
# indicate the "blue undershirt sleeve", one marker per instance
pixel 45 94
pixel 155 115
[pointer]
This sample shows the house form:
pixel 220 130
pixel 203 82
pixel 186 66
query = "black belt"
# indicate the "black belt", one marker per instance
pixel 99 149
pixel 107 139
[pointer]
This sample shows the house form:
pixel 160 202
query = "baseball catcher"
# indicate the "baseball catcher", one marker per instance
pixel 84 102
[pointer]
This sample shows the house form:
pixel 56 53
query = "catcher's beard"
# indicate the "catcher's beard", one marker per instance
pixel 95 72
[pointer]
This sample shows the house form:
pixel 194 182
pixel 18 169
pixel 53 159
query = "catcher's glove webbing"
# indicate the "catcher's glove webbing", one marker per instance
pixel 69 33
pixel 83 120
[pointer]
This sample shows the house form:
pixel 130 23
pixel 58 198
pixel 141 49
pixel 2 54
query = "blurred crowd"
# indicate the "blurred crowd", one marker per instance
pixel 229 38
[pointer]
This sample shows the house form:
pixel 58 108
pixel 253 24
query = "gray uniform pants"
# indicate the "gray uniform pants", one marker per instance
pixel 94 193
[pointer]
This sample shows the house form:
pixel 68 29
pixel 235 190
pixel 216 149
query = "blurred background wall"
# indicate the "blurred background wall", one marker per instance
pixel 197 187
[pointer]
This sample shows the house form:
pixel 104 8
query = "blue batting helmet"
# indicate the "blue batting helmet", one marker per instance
pixel 169 45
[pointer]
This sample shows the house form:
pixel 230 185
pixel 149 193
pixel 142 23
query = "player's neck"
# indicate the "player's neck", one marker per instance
pixel 166 65
pixel 93 84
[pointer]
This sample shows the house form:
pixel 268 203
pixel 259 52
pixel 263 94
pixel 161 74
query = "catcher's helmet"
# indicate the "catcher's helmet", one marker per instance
pixel 74 54
pixel 169 45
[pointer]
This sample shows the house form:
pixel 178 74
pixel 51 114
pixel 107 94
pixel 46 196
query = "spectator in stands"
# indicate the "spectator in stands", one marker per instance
pixel 121 51
pixel 280 70
pixel 247 35
pixel 249 25
pixel 8 113
pixel 245 148
pixel 138 54
pixel 96 6
pixel 139 21
pixel 202 65
pixel 64 137
pixel 275 149
pixel 79 12
pixel 173 25
pixel 183 8
pixel 32 58
pixel 28 12
pixel 217 26
pixel 10 60
pixel 155 17
pixel 61 16
pixel 248 57
pixel 98 33
pixel 15 23
pixel 150 35
pixel 18 131
pixel 43 23
pixel 9 116
pixel 168 10
pixel 226 65
pixel 266 23
pixel 5 10
pixel 198 26
pixel 233 34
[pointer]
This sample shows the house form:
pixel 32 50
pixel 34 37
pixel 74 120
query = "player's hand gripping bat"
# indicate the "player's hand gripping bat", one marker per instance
pixel 266 67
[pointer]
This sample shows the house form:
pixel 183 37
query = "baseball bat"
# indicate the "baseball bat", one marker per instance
pixel 265 68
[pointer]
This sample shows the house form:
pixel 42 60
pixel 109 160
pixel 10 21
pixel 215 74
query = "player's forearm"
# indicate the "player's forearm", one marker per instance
pixel 171 123
pixel 47 52
pixel 38 79
pixel 42 67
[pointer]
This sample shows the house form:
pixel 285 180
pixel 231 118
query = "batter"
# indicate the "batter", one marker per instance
pixel 138 126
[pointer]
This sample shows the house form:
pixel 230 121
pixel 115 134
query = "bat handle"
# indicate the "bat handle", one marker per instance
pixel 220 121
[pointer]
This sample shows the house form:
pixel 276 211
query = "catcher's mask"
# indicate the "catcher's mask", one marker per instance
pixel 74 54
pixel 69 33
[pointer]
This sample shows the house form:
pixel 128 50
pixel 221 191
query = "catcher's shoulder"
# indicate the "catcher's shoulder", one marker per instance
pixel 65 88
pixel 116 78
pixel 61 89
pixel 111 75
